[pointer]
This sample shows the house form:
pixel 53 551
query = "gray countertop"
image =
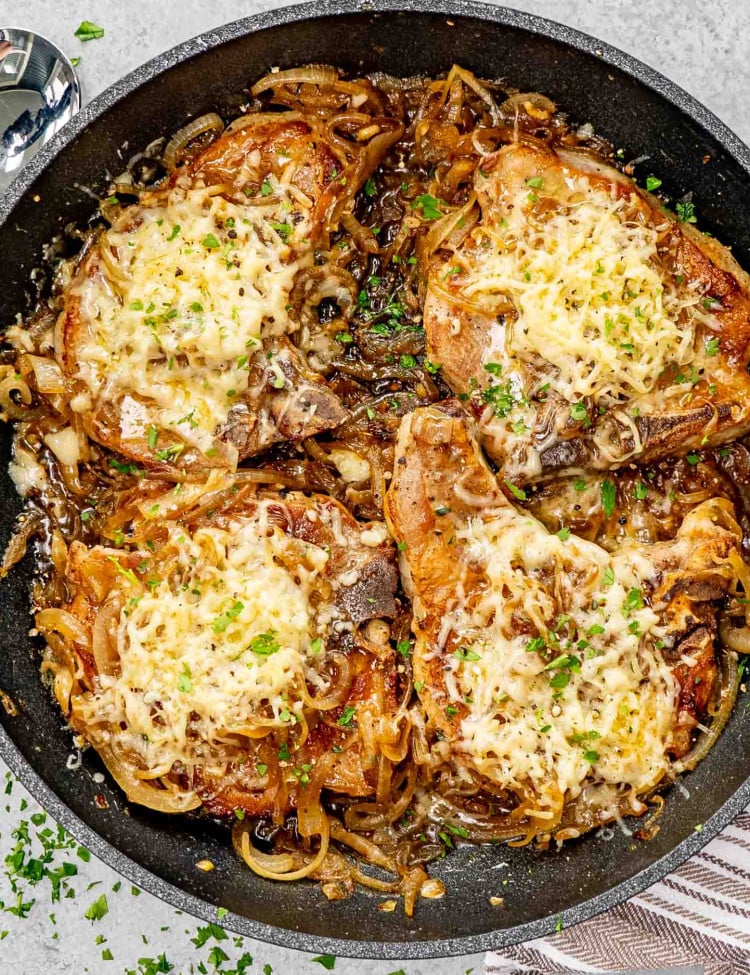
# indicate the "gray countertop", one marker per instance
pixel 702 47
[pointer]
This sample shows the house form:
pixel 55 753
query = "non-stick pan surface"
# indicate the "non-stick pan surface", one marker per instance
pixel 627 102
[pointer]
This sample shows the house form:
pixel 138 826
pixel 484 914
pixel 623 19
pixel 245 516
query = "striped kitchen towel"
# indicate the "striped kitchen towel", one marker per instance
pixel 697 916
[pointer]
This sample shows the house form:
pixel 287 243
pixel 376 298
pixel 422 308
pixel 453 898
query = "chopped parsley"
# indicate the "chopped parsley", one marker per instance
pixel 202 935
pixel 86 31
pixel 222 622
pixel 327 961
pixel 632 602
pixel 404 648
pixel 370 187
pixel 563 661
pixel 686 212
pixel 97 910
pixel 210 242
pixel 347 716
pixel 464 654
pixel 608 493
pixel 175 230
pixel 428 205
pixel 264 644
pixel 517 492
pixel 266 189
pixel 580 414
pixel 536 182
pixel 560 680
pixel 185 680
pixel 284 230
pixel 502 397
pixel 563 534
pixel 652 183
pixel 126 573
pixel 640 491
pixel 712 346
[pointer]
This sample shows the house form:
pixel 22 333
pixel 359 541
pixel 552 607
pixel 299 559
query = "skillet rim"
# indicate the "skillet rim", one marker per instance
pixel 400 950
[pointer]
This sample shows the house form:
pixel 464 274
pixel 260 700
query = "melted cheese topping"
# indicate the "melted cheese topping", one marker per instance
pixel 560 662
pixel 180 296
pixel 219 645
pixel 589 293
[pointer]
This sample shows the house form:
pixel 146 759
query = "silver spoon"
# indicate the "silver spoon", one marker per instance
pixel 39 92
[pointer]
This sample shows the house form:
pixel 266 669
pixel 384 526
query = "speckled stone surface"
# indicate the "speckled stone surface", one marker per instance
pixel 700 46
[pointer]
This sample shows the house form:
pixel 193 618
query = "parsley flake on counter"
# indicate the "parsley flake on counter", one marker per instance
pixel 327 961
pixel 87 31
pixel 98 909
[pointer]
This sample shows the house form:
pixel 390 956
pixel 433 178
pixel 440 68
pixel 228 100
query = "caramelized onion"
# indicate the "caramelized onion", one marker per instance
pixel 151 796
pixel 314 74
pixel 175 148
pixel 729 684
pixel 60 621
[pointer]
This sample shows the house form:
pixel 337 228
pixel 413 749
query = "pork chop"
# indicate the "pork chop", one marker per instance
pixel 268 666
pixel 583 324
pixel 173 334
pixel 550 667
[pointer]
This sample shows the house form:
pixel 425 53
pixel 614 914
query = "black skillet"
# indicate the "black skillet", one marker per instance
pixel 636 109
